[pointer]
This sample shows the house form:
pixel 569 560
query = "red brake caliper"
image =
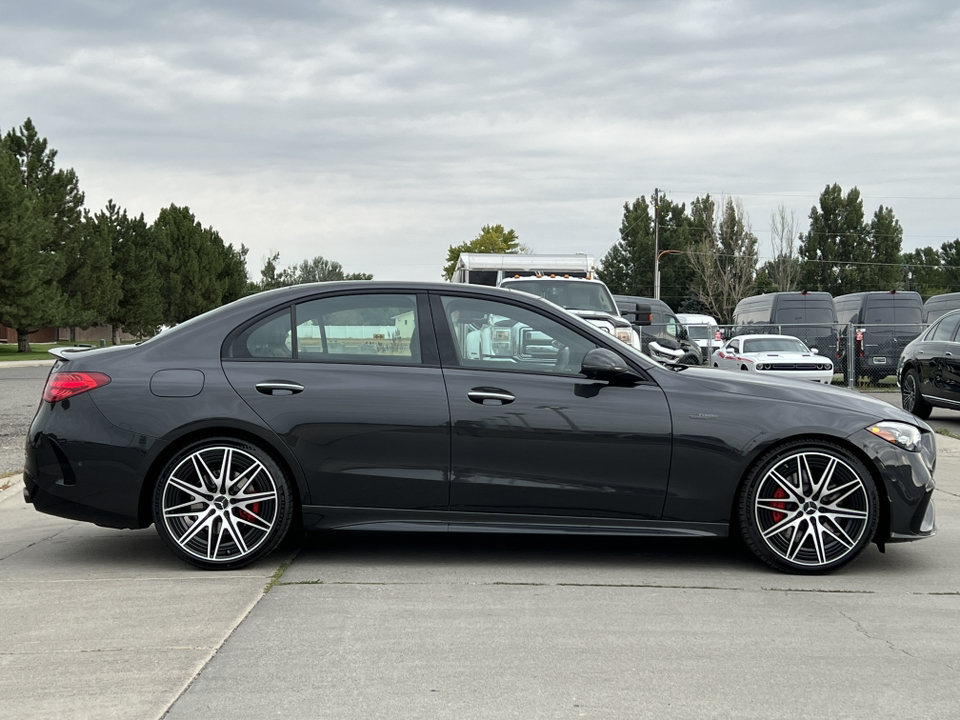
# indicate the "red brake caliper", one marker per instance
pixel 246 515
pixel 779 494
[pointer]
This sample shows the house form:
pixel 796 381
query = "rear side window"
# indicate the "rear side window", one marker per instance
pixel 268 338
pixel 365 328
pixel 946 329
pixel 372 328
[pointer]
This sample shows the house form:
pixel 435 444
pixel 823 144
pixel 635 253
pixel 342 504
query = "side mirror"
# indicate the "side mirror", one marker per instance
pixel 815 351
pixel 641 315
pixel 603 364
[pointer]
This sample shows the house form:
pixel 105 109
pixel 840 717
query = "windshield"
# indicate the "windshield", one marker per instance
pixel 570 294
pixel 774 345
pixel 701 332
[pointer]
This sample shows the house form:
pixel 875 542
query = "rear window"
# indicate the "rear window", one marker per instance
pixel 888 311
pixel 803 313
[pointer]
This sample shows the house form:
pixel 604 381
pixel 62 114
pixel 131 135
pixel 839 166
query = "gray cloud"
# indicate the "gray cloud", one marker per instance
pixel 378 134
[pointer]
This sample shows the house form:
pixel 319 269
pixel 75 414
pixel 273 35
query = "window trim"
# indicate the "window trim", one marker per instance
pixel 429 352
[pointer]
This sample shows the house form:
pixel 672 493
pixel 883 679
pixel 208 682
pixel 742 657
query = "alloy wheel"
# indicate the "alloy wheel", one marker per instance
pixel 219 504
pixel 811 510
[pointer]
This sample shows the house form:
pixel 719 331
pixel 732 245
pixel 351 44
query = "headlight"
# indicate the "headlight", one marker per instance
pixel 900 434
pixel 625 335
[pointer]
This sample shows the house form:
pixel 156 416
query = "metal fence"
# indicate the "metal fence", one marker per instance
pixel 874 349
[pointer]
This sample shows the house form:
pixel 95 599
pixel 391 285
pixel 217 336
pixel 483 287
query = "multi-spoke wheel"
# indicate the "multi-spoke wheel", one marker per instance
pixel 808 508
pixel 222 504
pixel 910 396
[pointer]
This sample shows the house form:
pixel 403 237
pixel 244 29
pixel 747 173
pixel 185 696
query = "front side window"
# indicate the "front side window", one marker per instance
pixel 498 336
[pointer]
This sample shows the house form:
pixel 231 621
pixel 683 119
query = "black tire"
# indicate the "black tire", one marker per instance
pixel 814 490
pixel 690 358
pixel 222 504
pixel 910 396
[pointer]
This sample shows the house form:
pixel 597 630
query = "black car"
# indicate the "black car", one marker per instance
pixel 929 368
pixel 425 406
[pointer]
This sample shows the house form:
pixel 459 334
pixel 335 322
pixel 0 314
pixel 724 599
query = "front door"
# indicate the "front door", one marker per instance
pixel 531 435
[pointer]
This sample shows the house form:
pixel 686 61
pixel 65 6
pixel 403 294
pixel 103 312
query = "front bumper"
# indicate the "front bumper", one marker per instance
pixel 907 487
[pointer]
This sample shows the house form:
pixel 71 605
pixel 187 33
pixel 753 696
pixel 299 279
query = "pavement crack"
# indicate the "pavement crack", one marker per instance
pixel 947 492
pixel 863 631
pixel 37 542
pixel 654 586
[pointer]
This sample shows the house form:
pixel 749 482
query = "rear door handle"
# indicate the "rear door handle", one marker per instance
pixel 279 387
pixel 479 394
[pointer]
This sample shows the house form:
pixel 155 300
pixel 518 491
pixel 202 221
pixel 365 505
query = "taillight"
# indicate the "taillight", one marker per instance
pixel 63 385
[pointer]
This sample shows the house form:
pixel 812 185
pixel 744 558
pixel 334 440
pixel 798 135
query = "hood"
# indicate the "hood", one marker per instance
pixel 787 356
pixel 727 382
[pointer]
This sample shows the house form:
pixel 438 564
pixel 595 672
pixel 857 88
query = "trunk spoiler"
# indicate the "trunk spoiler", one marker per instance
pixel 61 353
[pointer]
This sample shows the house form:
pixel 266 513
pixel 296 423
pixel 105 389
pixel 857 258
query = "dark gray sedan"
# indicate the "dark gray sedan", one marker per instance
pixel 391 406
pixel 929 368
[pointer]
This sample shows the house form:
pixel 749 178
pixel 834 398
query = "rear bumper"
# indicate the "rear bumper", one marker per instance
pixel 94 476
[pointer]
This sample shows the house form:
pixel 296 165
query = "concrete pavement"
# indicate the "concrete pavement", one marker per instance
pixel 107 624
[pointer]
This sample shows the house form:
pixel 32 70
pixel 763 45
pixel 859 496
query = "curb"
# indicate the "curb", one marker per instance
pixel 26 363
pixel 15 489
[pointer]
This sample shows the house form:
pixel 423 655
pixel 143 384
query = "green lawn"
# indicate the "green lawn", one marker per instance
pixel 8 351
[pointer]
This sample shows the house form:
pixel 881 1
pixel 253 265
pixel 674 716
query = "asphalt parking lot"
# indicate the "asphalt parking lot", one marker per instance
pixel 108 624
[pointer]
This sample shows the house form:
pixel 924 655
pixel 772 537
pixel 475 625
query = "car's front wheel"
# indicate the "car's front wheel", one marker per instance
pixel 808 507
pixel 222 503
pixel 910 396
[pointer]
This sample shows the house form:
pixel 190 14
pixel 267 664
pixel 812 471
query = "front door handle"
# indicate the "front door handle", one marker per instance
pixel 279 387
pixel 479 394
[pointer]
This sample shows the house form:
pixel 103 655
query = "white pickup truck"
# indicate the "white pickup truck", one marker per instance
pixel 590 299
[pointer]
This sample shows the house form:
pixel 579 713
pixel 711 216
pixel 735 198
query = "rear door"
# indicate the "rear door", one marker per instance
pixel 352 385
pixel 938 356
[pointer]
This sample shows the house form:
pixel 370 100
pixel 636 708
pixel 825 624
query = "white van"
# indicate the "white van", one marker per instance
pixel 703 331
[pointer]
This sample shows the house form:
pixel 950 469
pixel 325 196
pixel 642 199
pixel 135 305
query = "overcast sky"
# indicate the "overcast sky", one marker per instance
pixel 378 134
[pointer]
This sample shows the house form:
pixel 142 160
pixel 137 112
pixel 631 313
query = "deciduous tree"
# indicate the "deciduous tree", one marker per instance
pixel 492 239
pixel 725 260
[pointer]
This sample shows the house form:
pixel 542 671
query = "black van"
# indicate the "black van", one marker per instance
pixel 663 322
pixel 939 305
pixel 884 322
pixel 807 315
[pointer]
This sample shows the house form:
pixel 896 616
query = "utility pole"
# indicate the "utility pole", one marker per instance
pixel 656 243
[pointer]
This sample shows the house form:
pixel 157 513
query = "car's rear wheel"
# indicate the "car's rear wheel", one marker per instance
pixel 808 507
pixel 910 396
pixel 222 503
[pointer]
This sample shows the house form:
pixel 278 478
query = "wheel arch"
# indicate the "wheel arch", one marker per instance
pixel 177 441
pixel 883 523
